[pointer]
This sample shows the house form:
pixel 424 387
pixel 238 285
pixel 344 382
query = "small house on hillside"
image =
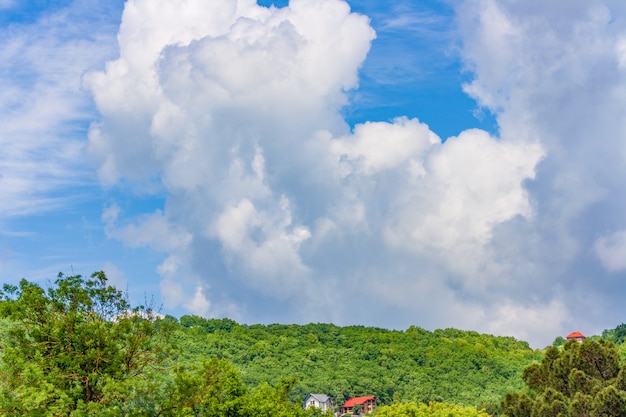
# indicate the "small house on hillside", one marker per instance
pixel 320 401
pixel 578 336
pixel 365 405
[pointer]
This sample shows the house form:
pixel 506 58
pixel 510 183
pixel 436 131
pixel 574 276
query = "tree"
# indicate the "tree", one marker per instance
pixel 582 379
pixel 616 335
pixel 212 389
pixel 559 341
pixel 77 349
pixel 73 348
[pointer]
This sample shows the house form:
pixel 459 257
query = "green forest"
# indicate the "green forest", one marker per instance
pixel 78 348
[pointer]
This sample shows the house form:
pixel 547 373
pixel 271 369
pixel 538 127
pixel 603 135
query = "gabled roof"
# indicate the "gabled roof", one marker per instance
pixel 358 401
pixel 575 335
pixel 319 397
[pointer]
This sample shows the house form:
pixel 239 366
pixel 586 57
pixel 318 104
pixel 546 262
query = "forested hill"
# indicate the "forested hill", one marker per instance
pixel 78 349
pixel 461 367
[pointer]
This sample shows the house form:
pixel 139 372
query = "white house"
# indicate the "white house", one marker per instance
pixel 318 400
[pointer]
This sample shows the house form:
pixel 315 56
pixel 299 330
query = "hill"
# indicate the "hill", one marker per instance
pixel 461 367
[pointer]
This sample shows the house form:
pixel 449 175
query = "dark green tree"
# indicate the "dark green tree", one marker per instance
pixel 582 379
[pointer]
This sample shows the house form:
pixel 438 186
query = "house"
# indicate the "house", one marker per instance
pixel 320 401
pixel 366 405
pixel 578 336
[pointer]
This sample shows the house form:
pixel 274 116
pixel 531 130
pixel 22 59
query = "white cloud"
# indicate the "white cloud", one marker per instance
pixel 263 65
pixel 233 95
pixel 377 146
pixel 115 276
pixel 535 322
pixel 620 48
pixel 611 251
pixel 152 230
pixel 553 74
pixel 471 183
pixel 263 247
pixel 199 305
pixel 277 211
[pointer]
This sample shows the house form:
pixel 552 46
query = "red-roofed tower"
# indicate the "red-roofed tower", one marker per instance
pixel 578 336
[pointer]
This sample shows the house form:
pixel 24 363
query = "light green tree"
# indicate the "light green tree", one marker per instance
pixel 433 409
pixel 77 349
pixel 73 348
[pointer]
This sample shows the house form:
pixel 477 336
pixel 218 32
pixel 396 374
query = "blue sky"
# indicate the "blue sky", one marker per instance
pixel 437 163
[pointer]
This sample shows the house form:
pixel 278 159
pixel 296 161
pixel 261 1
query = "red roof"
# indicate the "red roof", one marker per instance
pixel 575 335
pixel 358 401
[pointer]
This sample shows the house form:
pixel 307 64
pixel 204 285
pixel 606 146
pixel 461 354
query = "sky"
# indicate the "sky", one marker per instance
pixel 442 163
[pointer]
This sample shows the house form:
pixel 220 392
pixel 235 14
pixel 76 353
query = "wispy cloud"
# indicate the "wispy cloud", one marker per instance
pixel 404 32
pixel 43 111
pixel 7 4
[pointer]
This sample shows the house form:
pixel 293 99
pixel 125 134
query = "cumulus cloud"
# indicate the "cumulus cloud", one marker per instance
pixel 554 74
pixel 277 210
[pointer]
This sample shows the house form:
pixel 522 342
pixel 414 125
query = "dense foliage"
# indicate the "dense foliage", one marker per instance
pixel 64 348
pixel 412 409
pixel 579 379
pixel 450 365
pixel 616 335
pixel 78 349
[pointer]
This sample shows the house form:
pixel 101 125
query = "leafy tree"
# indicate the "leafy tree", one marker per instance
pixel 616 335
pixel 212 390
pixel 77 349
pixel 73 346
pixel 268 401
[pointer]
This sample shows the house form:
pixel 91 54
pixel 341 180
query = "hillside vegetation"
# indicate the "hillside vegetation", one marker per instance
pixel 461 367
pixel 78 349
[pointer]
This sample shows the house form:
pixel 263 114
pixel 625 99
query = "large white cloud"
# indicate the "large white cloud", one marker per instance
pixel 554 73
pixel 277 211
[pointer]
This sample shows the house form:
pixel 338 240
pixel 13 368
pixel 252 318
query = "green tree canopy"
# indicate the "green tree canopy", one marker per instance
pixel 63 347
pixel 581 379
pixel 412 409
pixel 77 349
pixel 616 335
pixel 418 365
